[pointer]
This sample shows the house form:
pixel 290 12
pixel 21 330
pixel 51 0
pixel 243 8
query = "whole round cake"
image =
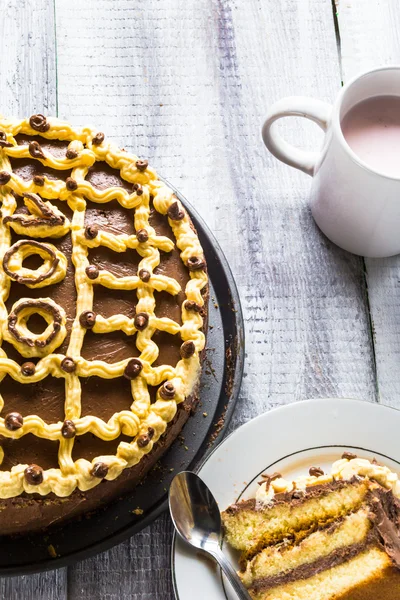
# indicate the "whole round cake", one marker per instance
pixel 103 313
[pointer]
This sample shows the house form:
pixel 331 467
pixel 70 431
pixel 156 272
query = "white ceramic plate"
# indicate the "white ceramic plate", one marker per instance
pixel 288 440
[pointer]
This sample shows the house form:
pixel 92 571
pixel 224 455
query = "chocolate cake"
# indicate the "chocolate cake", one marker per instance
pixel 103 313
pixel 321 537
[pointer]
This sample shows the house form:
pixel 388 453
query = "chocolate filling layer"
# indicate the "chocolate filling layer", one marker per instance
pixel 305 571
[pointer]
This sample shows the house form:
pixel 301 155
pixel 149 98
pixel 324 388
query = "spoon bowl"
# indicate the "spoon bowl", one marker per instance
pixel 197 519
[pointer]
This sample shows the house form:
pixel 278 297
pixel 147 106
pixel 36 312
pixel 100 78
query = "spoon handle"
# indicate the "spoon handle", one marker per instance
pixel 231 575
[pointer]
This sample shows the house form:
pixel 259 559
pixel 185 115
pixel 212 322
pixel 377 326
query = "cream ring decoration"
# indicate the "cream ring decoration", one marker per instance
pixel 52 270
pixel 30 344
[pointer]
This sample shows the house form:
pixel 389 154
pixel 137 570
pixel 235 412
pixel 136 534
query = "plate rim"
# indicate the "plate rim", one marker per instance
pixel 248 424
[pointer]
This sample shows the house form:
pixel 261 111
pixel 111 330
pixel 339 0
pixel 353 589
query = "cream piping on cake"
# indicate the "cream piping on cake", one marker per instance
pixel 344 469
pixel 144 422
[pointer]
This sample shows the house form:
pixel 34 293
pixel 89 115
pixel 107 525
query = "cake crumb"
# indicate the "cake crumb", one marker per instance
pixel 52 551
pixel 138 511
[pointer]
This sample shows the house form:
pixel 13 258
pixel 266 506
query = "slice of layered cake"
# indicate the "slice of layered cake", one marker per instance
pixel 322 536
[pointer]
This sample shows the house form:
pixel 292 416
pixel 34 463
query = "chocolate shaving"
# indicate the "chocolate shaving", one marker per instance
pixel 315 472
pixel 349 455
pixel 189 305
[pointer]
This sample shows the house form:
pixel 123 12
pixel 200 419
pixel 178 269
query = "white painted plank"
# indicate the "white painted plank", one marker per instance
pixel 28 85
pixel 186 84
pixel 370 37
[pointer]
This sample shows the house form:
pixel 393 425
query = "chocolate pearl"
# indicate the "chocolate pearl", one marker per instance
pixel 138 189
pixel 35 150
pixel 39 123
pixel 71 154
pixel 167 391
pixel 87 319
pixel 315 471
pixel 98 139
pixel 4 177
pixel 34 475
pixel 99 470
pixel 68 429
pixel 28 369
pixel 175 213
pixel 144 275
pixel 187 349
pixel 195 263
pixel 3 140
pixel 133 368
pixel 91 232
pixel 141 321
pixel 38 180
pixel 68 365
pixel 142 165
pixel 13 421
pixel 349 455
pixel 189 305
pixel 142 235
pixel 92 272
pixel 144 440
pixel 71 184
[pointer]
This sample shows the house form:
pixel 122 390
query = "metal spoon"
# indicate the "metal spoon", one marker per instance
pixel 197 519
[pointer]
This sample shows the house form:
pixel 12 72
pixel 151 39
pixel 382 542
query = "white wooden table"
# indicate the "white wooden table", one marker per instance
pixel 186 83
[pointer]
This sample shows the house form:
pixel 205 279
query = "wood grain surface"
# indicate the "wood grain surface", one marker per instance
pixel 186 84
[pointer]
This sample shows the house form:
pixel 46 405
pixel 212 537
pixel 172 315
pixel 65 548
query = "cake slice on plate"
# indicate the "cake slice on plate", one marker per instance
pixel 321 537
